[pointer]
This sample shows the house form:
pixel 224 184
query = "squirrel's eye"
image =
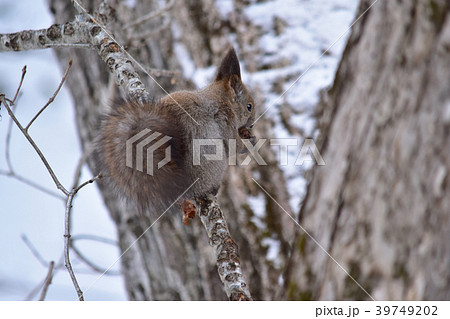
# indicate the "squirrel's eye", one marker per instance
pixel 249 107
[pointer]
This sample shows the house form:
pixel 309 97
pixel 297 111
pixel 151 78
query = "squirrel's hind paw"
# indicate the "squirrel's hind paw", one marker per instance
pixel 188 210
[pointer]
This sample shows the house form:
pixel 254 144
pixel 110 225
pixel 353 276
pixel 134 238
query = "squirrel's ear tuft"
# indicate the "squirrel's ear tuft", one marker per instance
pixel 229 66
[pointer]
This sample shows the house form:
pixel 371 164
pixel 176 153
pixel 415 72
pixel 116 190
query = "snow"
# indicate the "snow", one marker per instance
pixel 313 39
pixel 273 247
pixel 258 207
pixel 182 53
pixel 225 7
pixel 311 27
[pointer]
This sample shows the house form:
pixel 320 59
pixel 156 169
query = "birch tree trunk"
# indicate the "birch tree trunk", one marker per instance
pixel 172 261
pixel 381 205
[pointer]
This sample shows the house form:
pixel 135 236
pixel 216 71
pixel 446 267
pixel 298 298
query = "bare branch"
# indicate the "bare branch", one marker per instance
pixel 95 238
pixel 30 183
pixel 225 249
pixel 33 292
pixel 83 30
pixel 93 179
pixel 8 133
pixel 52 98
pixel 69 45
pixel 151 15
pixel 67 245
pixel 31 141
pixel 24 71
pixel 47 281
pixel 92 264
pixel 87 151
pixel 34 251
pixel 148 35
pixel 86 260
pixel 67 219
pixel 77 6
pixel 9 104
pixel 164 73
pixel 38 287
pixel 11 172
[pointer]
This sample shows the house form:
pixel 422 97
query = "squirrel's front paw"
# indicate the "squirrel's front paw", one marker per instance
pixel 189 210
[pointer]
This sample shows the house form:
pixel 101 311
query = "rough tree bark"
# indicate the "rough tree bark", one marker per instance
pixel 381 205
pixel 173 261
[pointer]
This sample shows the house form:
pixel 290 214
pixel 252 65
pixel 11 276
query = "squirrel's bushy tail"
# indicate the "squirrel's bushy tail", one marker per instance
pixel 133 136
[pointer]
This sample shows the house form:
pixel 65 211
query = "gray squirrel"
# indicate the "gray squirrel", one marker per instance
pixel 224 110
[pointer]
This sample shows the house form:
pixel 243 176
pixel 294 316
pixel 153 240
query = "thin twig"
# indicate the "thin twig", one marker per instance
pixel 38 287
pixel 11 172
pixel 93 179
pixel 24 71
pixel 33 292
pixel 69 45
pixel 85 259
pixel 67 245
pixel 91 264
pixel 95 238
pixel 47 281
pixel 148 35
pixel 164 73
pixel 87 152
pixel 26 181
pixel 31 141
pixel 77 6
pixel 52 98
pixel 8 132
pixel 67 219
pixel 28 137
pixel 8 143
pixel 34 251
pixel 9 105
pixel 150 15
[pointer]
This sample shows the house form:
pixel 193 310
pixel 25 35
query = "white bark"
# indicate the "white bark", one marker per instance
pixel 84 33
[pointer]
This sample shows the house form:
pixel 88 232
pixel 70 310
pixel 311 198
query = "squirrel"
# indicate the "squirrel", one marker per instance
pixel 224 111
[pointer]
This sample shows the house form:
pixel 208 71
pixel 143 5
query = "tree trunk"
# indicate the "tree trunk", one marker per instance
pixel 172 261
pixel 381 204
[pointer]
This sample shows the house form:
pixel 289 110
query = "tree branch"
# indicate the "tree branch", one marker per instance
pixel 86 260
pixel 67 228
pixel 52 98
pixel 34 251
pixel 151 15
pixel 47 281
pixel 225 249
pixel 4 100
pixel 81 31
pixel 11 172
pixel 69 195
